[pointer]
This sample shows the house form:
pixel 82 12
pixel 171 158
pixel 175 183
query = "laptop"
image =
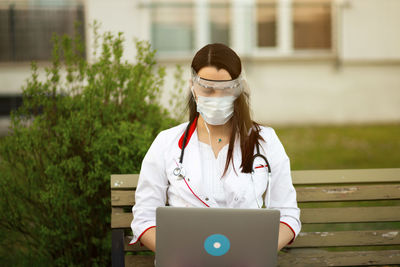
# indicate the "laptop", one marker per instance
pixel 191 237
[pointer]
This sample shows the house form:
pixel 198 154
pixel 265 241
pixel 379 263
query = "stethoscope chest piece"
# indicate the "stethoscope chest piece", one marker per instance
pixel 179 172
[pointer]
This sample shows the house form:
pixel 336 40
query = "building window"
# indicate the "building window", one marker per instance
pixel 220 17
pixel 312 27
pixel 182 26
pixel 266 16
pixel 172 25
pixel 280 27
pixel 26 28
pixel 287 26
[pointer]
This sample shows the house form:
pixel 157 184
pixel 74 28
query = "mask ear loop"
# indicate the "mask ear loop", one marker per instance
pixel 192 89
pixel 193 94
pixel 209 135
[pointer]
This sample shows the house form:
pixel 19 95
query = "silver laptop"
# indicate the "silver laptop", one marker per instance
pixel 216 237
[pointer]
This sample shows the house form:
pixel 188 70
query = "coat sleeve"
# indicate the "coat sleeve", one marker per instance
pixel 283 193
pixel 151 189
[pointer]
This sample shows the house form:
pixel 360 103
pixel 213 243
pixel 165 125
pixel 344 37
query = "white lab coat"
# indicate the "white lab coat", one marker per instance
pixel 157 183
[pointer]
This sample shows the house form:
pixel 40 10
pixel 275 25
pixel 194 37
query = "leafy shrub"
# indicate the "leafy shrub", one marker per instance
pixel 77 126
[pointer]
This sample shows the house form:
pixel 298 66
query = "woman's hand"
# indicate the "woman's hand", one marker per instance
pixel 285 235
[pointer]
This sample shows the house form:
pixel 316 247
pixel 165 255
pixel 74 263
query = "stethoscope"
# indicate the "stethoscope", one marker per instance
pixel 180 173
pixel 269 174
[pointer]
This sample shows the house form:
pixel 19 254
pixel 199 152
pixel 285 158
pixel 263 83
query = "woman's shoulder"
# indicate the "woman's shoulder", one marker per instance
pixel 267 132
pixel 174 131
pixel 271 140
pixel 168 138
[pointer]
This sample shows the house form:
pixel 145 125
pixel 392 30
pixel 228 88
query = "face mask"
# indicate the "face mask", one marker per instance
pixel 215 110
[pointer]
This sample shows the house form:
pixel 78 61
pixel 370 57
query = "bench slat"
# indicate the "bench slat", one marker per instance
pixel 121 220
pixel 310 257
pixel 304 194
pixel 135 247
pixel 311 215
pixel 346 176
pixel 124 181
pixel 313 257
pixel 139 261
pixel 349 192
pixel 324 239
pixel 347 238
pixel 384 175
pixel 122 198
pixel 350 214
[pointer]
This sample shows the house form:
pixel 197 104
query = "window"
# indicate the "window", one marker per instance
pixel 220 16
pixel 287 26
pixel 182 26
pixel 173 26
pixel 311 24
pixel 26 29
pixel 266 23
pixel 280 27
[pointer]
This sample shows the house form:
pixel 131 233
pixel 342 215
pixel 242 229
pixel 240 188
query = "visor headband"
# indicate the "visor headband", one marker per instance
pixel 217 84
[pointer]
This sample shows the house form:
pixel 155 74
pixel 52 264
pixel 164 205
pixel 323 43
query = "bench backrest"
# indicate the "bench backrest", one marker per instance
pixel 349 217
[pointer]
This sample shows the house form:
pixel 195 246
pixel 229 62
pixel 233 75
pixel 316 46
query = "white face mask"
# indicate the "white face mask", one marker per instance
pixel 215 110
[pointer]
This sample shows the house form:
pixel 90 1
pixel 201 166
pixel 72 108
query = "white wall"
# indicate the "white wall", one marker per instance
pixel 118 16
pixel 12 77
pixel 371 30
pixel 316 92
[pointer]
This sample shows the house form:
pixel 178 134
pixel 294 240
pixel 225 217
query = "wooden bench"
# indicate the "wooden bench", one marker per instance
pixel 349 217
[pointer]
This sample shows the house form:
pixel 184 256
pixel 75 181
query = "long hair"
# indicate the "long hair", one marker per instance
pixel 221 56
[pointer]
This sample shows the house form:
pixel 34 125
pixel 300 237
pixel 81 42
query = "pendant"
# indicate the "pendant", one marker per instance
pixel 219 140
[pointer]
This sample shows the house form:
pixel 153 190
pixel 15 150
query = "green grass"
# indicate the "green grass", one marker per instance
pixel 342 147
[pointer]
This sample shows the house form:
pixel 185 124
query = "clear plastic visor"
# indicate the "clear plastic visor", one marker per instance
pixel 217 88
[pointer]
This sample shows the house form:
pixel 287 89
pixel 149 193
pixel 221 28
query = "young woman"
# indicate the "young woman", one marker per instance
pixel 220 158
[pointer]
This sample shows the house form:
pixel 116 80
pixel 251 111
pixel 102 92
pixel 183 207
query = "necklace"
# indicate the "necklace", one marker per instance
pixel 219 140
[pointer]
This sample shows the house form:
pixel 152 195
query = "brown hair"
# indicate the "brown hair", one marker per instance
pixel 221 56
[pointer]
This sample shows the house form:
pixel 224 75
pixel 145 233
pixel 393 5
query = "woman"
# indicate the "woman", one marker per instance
pixel 220 141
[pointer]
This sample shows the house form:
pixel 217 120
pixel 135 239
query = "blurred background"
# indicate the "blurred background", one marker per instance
pixel 324 73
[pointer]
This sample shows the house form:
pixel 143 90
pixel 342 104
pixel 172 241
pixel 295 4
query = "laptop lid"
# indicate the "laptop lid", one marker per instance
pixel 216 237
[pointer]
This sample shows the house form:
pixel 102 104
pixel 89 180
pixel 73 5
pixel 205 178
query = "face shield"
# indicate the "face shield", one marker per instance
pixel 217 88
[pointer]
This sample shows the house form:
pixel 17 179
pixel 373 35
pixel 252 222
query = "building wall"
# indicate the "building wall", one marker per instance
pixel 360 84
pixel 118 16
pixel 318 92
pixel 371 30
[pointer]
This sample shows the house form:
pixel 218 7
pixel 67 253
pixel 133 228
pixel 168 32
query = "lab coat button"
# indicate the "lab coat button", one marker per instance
pixel 206 198
pixel 236 198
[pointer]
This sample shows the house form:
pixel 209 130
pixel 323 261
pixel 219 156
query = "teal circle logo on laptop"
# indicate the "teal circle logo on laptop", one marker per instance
pixel 217 245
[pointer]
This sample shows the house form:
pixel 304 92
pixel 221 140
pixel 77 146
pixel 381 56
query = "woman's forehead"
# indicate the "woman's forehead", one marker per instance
pixel 211 73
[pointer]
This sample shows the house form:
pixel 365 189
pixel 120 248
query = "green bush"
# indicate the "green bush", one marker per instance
pixel 77 126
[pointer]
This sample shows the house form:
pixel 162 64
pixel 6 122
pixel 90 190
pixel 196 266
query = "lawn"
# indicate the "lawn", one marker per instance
pixel 341 147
